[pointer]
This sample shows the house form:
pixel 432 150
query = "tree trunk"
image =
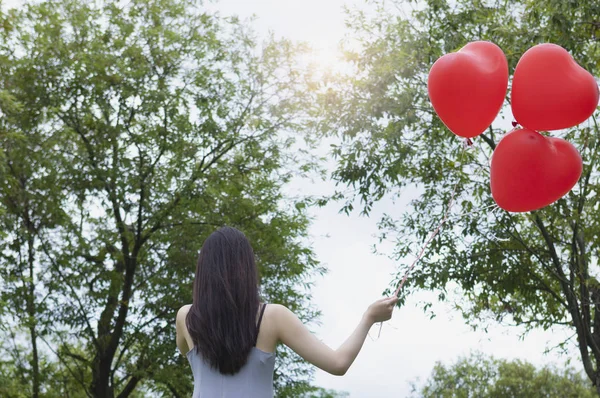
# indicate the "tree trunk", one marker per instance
pixel 101 387
pixel 31 312
pixel 109 338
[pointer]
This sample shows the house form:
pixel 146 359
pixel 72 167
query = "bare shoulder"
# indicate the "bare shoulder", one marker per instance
pixel 183 311
pixel 279 313
pixel 276 309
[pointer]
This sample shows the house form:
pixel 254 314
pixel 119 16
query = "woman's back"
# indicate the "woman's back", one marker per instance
pixel 255 378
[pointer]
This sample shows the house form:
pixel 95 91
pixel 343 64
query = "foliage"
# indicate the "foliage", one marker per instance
pixel 129 132
pixel 481 377
pixel 538 269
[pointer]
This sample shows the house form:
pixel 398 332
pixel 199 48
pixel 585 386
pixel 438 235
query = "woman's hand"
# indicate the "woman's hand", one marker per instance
pixel 381 310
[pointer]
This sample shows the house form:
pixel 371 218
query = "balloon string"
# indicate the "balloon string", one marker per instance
pixel 434 233
pixel 466 144
pixel 476 211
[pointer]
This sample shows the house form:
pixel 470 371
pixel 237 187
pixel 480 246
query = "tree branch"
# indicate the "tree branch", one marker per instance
pixel 573 308
pixel 489 141
pixel 77 379
pixel 65 280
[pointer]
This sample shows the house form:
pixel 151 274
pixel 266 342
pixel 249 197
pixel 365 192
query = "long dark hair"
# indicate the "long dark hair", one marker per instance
pixel 222 319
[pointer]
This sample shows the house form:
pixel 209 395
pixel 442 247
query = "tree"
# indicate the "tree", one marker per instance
pixel 478 376
pixel 129 132
pixel 537 269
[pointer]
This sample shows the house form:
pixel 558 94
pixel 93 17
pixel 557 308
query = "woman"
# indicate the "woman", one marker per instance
pixel 229 336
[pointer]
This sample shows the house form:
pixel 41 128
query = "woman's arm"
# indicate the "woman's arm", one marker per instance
pixel 293 333
pixel 180 328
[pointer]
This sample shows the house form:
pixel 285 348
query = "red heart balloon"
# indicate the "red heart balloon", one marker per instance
pixel 467 88
pixel 530 171
pixel 551 91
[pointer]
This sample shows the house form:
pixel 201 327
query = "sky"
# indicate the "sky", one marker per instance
pixel 410 343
